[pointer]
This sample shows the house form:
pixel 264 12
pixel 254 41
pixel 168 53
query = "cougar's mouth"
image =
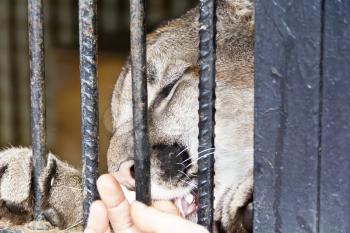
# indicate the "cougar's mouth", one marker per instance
pixel 187 205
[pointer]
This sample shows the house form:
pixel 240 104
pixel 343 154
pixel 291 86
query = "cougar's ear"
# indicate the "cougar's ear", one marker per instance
pixel 16 179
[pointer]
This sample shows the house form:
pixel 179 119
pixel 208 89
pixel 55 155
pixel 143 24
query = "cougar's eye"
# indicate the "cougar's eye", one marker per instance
pixel 175 74
pixel 167 89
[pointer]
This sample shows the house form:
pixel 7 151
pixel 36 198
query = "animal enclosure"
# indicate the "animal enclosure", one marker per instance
pixel 302 111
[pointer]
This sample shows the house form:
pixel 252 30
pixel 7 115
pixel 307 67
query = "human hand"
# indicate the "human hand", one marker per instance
pixel 136 217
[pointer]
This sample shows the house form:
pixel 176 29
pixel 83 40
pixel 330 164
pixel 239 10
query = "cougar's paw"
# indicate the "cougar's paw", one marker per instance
pixel 15 186
pixel 61 185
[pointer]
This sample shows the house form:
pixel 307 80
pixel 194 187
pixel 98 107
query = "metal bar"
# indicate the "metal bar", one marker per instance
pixel 207 33
pixel 139 99
pixel 37 83
pixel 89 100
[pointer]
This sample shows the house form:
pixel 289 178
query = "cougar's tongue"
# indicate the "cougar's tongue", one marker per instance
pixel 186 205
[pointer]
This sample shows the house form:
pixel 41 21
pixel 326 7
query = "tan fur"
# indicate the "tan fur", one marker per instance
pixel 172 52
pixel 62 194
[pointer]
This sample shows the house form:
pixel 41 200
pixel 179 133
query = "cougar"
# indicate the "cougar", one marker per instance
pixel 172 77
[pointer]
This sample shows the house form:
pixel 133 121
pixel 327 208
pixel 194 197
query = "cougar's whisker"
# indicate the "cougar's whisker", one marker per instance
pixel 227 152
pixel 212 148
pixel 181 151
pixel 184 174
pixel 200 157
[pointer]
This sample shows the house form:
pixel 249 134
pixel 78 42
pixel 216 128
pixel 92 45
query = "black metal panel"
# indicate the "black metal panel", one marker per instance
pixel 37 84
pixel 335 162
pixel 287 118
pixel 206 112
pixel 139 100
pixel 89 100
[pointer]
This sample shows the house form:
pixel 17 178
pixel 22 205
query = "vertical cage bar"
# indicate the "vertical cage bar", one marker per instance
pixel 89 100
pixel 37 83
pixel 139 99
pixel 206 111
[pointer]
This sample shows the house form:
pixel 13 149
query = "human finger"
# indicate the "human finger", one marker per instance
pixel 151 220
pixel 118 207
pixel 166 206
pixel 98 219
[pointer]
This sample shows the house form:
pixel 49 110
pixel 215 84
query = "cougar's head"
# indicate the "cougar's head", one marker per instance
pixel 173 117
pixel 173 131
pixel 172 73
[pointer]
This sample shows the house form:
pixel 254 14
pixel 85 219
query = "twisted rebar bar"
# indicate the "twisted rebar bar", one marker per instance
pixel 139 99
pixel 206 112
pixel 89 101
pixel 38 108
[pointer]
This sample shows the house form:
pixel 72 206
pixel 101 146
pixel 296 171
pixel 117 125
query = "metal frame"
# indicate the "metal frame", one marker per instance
pixel 301 111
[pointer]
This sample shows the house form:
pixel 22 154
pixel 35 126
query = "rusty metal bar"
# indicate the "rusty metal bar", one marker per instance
pixel 206 111
pixel 139 99
pixel 89 100
pixel 37 83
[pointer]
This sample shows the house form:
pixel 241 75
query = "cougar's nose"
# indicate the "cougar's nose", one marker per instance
pixel 125 174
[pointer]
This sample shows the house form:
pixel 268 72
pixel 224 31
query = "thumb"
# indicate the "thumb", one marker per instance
pixel 151 220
